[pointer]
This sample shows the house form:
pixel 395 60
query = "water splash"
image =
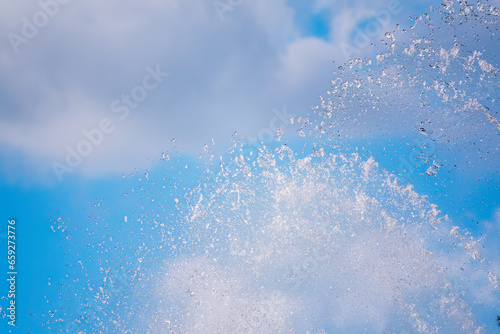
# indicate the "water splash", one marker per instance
pixel 317 239
pixel 340 246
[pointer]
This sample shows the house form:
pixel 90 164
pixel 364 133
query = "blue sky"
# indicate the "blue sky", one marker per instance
pixel 73 89
pixel 227 71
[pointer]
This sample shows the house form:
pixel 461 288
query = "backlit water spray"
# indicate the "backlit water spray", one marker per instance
pixel 308 234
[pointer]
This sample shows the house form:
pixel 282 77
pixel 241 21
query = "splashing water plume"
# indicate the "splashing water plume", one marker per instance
pixel 285 243
pixel 312 236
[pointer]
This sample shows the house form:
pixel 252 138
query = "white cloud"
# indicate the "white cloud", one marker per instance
pixel 224 75
pixel 304 61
